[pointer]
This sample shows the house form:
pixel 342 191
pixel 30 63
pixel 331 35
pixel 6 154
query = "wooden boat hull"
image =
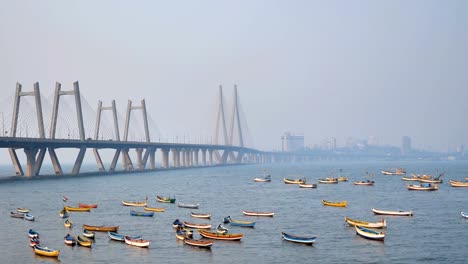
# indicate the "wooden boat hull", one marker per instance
pixel 304 185
pixel 394 213
pixel 190 206
pixel 328 181
pixel 365 183
pixel 134 213
pixel 77 209
pixel 198 243
pixel 342 179
pixel 47 252
pixel 33 234
pixel 252 213
pixel 183 234
pixel 199 215
pixel 261 180
pixel 162 199
pixel 238 222
pixel 88 234
pixel 101 228
pixel 298 239
pixel 228 237
pixel 335 204
pixel 430 187
pixel 16 215
pixel 353 222
pixel 458 183
pixel 84 242
pixel 198 226
pixel 369 233
pixel 80 205
pixel 137 204
pixel 136 242
pixel 22 210
pixel 154 209
pixel 293 181
pixel 119 237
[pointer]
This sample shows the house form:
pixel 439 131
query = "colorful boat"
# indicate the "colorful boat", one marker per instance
pixel 191 206
pixel 88 234
pixel 81 205
pixel 306 185
pixel 458 183
pixel 135 213
pixel 220 229
pixel 177 224
pixel 336 204
pixel 32 233
pixel 34 241
pixel 136 242
pixel 431 180
pixel 162 199
pixel 395 213
pixel 77 209
pixel 465 215
pixel 22 210
pixel 353 222
pixel 101 228
pixel 83 241
pixel 369 233
pixel 16 215
pixel 328 180
pixel 45 251
pixel 423 187
pixel 366 182
pixel 129 203
pixel 200 215
pixel 119 237
pixel 198 243
pixel 298 239
pixel 28 217
pixel 342 179
pixel 196 225
pixel 293 181
pixel 68 223
pixel 399 171
pixel 252 213
pixel 212 235
pixel 63 213
pixel 183 234
pixel 154 209
pixel 238 222
pixel 69 240
pixel 410 178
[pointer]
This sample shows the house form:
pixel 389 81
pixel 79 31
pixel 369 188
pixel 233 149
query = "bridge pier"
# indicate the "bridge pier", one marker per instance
pixel 195 155
pixel 203 151
pixel 79 161
pixel 55 162
pixel 165 158
pixel 139 152
pixel 152 158
pixel 31 161
pixel 210 154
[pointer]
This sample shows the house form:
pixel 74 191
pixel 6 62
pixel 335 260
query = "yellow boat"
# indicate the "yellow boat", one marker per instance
pixel 337 204
pixel 68 223
pixel 353 222
pixel 458 183
pixel 77 209
pixel 130 203
pixel 154 209
pixel 84 242
pixel 44 251
pixel 293 181
pixel 342 179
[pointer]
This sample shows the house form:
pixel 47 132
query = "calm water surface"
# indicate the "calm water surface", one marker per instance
pixel 436 233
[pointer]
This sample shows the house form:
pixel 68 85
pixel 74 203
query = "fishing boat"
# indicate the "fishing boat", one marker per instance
pixel 83 241
pixel 410 178
pixel 81 205
pixel 191 206
pixel 369 233
pixel 399 171
pixel 220 229
pixel 395 213
pixel 45 251
pixel 422 187
pixel 34 241
pixel 200 215
pixel 307 185
pixel 293 181
pixel 16 215
pixel 353 222
pixel 177 224
pixel 101 228
pixel 328 180
pixel 213 235
pixel 252 213
pixel 163 199
pixel 198 243
pixel 366 183
pixel 69 240
pixel 28 217
pixel 342 179
pixel 298 239
pixel 454 183
pixel 32 233
pixel 136 242
pixel 63 213
pixel 77 209
pixel 336 204
pixel 129 203
pixel 238 222
pixel 266 177
pixel 22 210
pixel 119 237
pixel 68 223
pixel 432 180
pixel 135 213
pixel 183 234
pixel 154 209
pixel 88 234
pixel 465 215
pixel 196 225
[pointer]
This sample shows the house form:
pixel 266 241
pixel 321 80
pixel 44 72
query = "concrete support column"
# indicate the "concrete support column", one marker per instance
pixel 187 158
pixel 203 151
pixel 191 156
pixel 210 154
pixel 152 158
pixel 195 155
pixel 31 161
pixel 174 158
pixel 139 152
pixel 79 161
pixel 165 158
pixel 55 162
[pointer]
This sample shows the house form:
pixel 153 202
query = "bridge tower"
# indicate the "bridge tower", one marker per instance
pixel 33 164
pixel 53 156
pixel 116 133
pixel 221 124
pixel 236 124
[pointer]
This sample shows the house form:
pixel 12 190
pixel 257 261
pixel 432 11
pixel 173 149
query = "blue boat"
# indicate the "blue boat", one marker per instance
pixel 177 224
pixel 135 213
pixel 69 240
pixel 29 217
pixel 298 239
pixel 238 222
pixel 32 233
pixel 119 237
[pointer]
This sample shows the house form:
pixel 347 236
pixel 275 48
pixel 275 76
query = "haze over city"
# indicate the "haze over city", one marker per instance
pixel 337 69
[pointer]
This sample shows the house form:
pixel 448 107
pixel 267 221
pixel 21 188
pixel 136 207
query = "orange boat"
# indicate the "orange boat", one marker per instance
pixel 219 236
pixel 80 205
pixel 101 228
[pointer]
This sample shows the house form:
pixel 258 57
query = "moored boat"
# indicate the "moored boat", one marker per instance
pixel 336 204
pixel 399 171
pixel 22 210
pixel 265 179
pixel 410 178
pixel 83 241
pixel 32 233
pixel 154 209
pixel 63 213
pixel 366 182
pixel 120 237
pixel 135 213
pixel 163 199
pixel 293 181
pixel 16 215
pixel 395 213
pixel 213 235
pixel 34 241
pixel 353 222
pixel 328 180
pixel 369 233
pixel 198 243
pixel 69 240
pixel 77 209
pixel 130 203
pixel 177 224
pixel 253 213
pixel 82 205
pixel 233 222
pixel 465 215
pixel 431 180
pixel 307 185
pixel 183 234
pixel 342 179
pixel 422 187
pixel 197 225
pixel 68 223
pixel 191 206
pixel 200 215
pixel 88 234
pixel 298 239
pixel 220 229
pixel 45 251
pixel 28 217
pixel 454 183
pixel 101 228
pixel 136 242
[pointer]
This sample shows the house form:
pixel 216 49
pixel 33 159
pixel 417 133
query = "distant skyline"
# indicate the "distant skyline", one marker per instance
pixel 325 69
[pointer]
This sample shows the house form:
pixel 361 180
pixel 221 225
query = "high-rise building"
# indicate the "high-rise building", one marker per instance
pixel 405 145
pixel 292 142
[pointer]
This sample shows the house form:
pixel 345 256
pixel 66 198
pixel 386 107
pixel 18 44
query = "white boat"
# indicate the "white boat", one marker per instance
pixel 307 185
pixel 369 233
pixel 191 206
pixel 396 213
pixel 465 215
pixel 136 242
pixel 29 217
pixel 423 187
pixel 252 213
pixel 200 215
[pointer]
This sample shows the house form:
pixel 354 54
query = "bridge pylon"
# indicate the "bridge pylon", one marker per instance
pixel 116 134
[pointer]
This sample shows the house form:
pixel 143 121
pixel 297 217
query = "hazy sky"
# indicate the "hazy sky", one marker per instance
pixel 322 68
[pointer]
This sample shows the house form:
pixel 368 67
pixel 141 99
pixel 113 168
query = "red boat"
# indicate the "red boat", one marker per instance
pixel 80 205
